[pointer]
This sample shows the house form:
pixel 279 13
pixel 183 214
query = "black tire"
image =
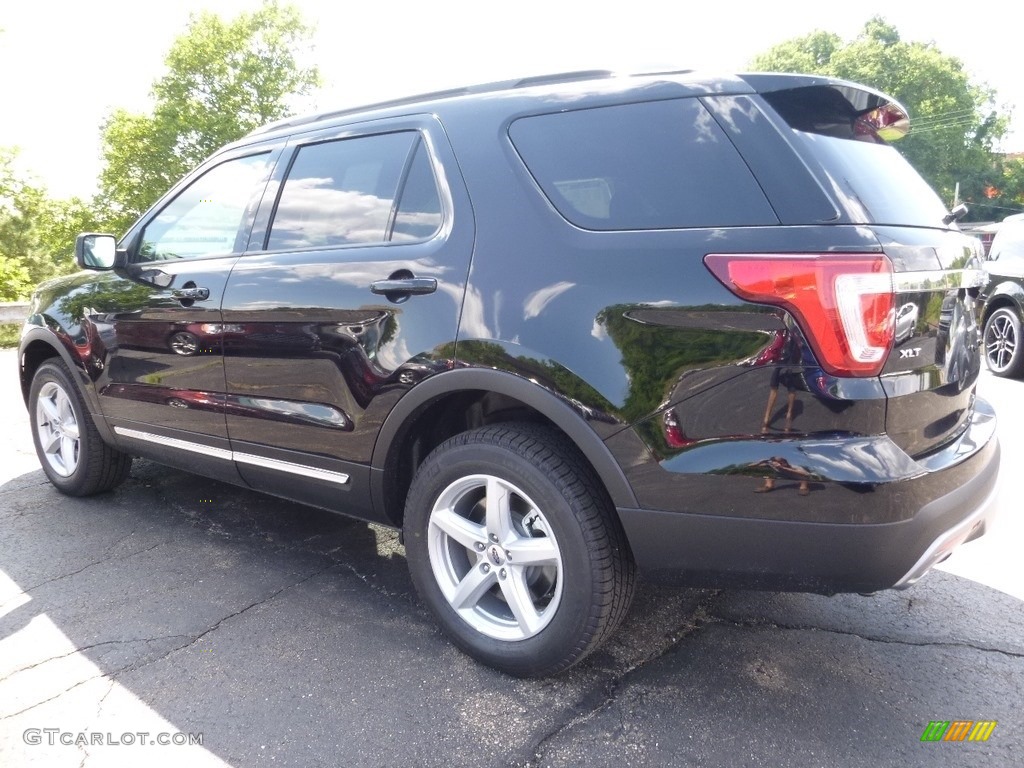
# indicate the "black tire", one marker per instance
pixel 541 558
pixel 70 450
pixel 1003 344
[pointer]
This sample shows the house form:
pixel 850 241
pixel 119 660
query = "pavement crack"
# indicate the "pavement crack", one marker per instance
pixel 761 624
pixel 84 648
pixel 255 604
pixel 598 701
pixel 22 489
pixel 105 559
pixel 191 640
pixel 367 580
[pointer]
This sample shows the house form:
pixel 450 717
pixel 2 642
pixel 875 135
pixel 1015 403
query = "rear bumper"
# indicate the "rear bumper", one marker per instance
pixel 947 503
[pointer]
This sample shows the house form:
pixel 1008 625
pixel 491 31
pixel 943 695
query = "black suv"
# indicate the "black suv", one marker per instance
pixel 558 331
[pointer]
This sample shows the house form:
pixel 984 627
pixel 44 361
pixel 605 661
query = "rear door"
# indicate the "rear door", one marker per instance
pixel 349 295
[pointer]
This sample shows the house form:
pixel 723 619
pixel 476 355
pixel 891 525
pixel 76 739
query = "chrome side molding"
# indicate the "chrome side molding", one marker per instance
pixel 243 458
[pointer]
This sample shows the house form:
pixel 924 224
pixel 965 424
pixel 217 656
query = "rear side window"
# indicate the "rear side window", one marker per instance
pixel 351 192
pixel 651 165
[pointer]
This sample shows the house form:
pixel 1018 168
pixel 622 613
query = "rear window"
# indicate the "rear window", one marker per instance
pixel 878 180
pixel 651 165
pixel 1008 245
pixel 873 180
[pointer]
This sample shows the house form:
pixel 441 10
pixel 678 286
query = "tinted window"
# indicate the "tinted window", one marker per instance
pixel 877 177
pixel 419 209
pixel 1008 245
pixel 655 165
pixel 211 216
pixel 341 192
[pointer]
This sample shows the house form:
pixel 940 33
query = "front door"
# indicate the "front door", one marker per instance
pixel 162 389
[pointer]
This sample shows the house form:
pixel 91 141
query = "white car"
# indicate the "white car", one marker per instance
pixel 906 320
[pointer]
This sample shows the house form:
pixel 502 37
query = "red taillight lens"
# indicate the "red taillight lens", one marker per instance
pixel 845 303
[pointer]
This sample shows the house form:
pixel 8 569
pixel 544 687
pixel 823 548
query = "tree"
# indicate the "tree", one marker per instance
pixel 22 260
pixel 37 232
pixel 223 80
pixel 954 123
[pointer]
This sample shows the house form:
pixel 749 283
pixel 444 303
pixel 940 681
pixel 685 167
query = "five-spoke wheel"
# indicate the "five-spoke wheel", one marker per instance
pixel 71 451
pixel 494 557
pixel 515 548
pixel 57 428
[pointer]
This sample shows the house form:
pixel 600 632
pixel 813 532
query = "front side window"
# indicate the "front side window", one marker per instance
pixel 211 216
pixel 357 191
pixel 650 165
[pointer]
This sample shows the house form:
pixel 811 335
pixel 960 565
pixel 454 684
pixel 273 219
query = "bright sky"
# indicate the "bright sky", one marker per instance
pixel 64 65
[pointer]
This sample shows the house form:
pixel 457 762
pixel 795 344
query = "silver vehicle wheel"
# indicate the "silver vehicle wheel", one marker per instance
pixel 495 558
pixel 515 548
pixel 1002 342
pixel 58 429
pixel 70 450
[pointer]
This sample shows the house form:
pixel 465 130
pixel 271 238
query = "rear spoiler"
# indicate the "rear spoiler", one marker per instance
pixel 832 107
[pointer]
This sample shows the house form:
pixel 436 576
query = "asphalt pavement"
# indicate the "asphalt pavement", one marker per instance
pixel 243 630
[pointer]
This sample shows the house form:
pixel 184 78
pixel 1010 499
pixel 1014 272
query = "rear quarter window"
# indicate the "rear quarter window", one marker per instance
pixel 649 165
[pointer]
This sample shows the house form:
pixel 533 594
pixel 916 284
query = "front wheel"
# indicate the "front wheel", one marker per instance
pixel 1002 338
pixel 516 550
pixel 71 451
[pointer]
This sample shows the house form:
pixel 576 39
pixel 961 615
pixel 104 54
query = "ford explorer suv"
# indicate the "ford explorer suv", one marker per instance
pixel 558 331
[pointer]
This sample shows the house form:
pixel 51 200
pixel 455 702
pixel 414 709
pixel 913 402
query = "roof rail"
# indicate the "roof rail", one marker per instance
pixel 503 85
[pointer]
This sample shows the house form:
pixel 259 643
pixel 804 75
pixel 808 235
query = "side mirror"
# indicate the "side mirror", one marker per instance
pixel 97 251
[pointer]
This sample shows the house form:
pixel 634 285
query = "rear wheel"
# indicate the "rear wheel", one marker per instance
pixel 1003 351
pixel 71 451
pixel 515 549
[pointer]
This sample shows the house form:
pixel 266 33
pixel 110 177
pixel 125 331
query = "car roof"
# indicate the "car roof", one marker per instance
pixel 571 87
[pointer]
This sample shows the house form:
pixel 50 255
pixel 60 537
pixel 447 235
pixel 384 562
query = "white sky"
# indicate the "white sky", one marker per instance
pixel 65 64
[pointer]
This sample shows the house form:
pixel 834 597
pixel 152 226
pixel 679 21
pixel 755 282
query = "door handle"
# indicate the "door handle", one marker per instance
pixel 191 294
pixel 405 286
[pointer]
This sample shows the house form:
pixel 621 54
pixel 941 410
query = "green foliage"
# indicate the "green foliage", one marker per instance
pixel 224 78
pixel 15 282
pixel 954 122
pixel 1006 192
pixel 37 233
pixel 9 335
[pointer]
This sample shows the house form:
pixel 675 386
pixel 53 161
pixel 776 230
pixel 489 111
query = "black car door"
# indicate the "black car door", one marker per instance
pixel 162 389
pixel 350 293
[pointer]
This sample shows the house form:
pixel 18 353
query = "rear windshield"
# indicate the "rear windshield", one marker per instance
pixel 876 182
pixel 872 180
pixel 1008 244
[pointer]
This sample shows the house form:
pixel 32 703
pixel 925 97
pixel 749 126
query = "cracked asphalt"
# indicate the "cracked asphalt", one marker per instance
pixel 282 635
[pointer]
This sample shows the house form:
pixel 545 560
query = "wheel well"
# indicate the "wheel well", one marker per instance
pixel 436 422
pixel 997 303
pixel 34 355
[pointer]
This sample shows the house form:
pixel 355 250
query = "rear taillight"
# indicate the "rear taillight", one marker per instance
pixel 845 303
